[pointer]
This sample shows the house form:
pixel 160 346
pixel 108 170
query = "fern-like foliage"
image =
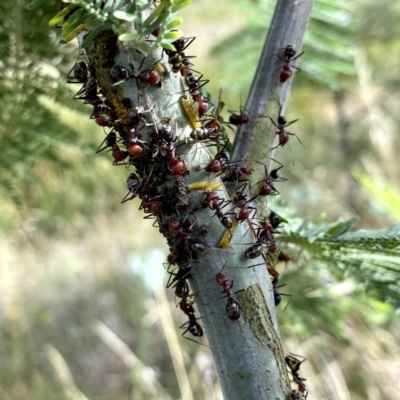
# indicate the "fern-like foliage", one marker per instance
pixel 329 45
pixel 370 256
pixel 131 22
pixel 29 132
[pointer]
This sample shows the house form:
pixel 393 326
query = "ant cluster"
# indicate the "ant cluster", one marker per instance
pixel 135 137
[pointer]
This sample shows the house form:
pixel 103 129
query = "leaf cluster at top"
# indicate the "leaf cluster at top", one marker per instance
pixel 131 22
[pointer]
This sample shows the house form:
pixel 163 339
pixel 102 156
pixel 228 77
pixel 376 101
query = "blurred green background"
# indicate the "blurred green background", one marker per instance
pixel 83 310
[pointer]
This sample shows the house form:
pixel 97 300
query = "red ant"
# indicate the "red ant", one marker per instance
pixel 216 204
pixel 150 206
pixel 265 237
pixel 178 166
pixel 275 287
pixel 233 308
pixel 235 174
pixel 121 75
pixel 176 230
pixel 239 200
pixel 268 187
pixel 288 57
pixel 242 118
pixel 283 134
pixel 118 154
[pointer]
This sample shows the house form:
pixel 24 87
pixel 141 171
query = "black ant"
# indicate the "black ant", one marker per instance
pixel 88 92
pixel 193 82
pixel 180 45
pixel 294 365
pixel 78 73
pixel 288 57
pixel 109 141
pixel 193 327
pixel 268 187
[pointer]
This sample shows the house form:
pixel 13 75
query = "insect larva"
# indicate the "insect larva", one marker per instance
pixel 190 112
pixel 227 236
pixel 213 186
pixel 198 185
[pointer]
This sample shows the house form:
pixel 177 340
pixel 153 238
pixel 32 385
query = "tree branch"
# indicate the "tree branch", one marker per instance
pixel 248 354
pixel 267 93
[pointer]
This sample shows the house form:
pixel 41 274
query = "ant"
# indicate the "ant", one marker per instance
pixel 283 134
pixel 242 118
pixel 118 154
pixel 211 132
pixel 109 141
pixel 265 237
pixel 193 327
pixel 233 308
pixel 268 187
pixel 275 287
pixel 294 365
pixel 193 82
pixel 78 73
pixel 180 45
pixel 215 203
pixel 235 174
pixel 88 92
pixel 288 57
pixel 121 74
pixel 176 230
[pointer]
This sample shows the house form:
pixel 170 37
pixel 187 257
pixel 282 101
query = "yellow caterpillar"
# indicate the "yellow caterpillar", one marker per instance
pixel 198 185
pixel 209 187
pixel 227 236
pixel 213 186
pixel 190 112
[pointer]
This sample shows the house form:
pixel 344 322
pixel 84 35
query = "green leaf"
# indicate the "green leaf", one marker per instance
pixel 176 22
pixel 344 227
pixel 75 25
pixel 157 13
pixel 167 46
pixel 180 4
pixel 80 29
pixel 107 5
pixel 74 17
pixel 172 35
pixel 124 16
pixel 129 37
pixel 60 16
pixel 34 4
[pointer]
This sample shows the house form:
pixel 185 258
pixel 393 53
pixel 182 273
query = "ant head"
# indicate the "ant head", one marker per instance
pixel 282 120
pixel 290 51
pixel 119 73
pixel 275 219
